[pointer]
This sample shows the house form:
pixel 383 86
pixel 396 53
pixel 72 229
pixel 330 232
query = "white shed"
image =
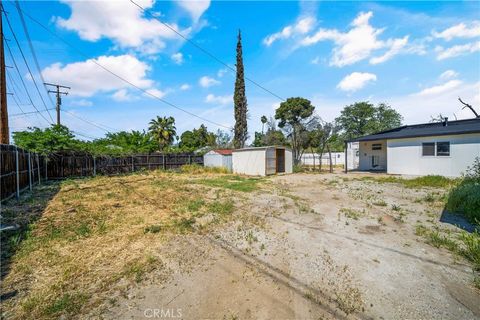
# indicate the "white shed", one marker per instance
pixel 262 161
pixel 218 158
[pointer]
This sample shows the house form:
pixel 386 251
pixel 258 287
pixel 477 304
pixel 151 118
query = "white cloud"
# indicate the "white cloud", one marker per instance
pixel 302 26
pixel 356 81
pixel 449 74
pixel 222 100
pixel 457 50
pixel 122 95
pixel 207 81
pixel 81 103
pixel 86 78
pixel 396 45
pixel 315 60
pixel 447 86
pixel 222 72
pixel 177 58
pixel 155 92
pixel 185 87
pixel 358 43
pixel 195 8
pixel 460 30
pixel 121 21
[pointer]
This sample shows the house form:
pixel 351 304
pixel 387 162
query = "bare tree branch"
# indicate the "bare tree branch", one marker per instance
pixel 466 105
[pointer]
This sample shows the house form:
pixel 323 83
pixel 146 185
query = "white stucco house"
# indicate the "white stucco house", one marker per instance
pixel 218 158
pixel 262 161
pixel 444 148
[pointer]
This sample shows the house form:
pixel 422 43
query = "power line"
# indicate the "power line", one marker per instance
pixel 26 64
pixel 100 126
pixel 121 78
pixel 28 113
pixel 23 82
pixel 211 55
pixel 34 55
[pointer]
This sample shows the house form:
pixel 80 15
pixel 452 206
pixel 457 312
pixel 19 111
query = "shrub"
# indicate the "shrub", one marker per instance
pixel 465 197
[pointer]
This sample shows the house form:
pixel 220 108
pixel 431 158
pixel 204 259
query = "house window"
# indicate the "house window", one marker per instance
pixel 377 146
pixel 428 149
pixel 443 149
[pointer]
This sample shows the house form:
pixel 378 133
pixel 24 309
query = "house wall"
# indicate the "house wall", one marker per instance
pixel 251 162
pixel 353 155
pixel 213 159
pixel 405 155
pixel 366 153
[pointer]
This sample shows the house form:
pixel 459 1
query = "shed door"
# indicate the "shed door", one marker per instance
pixel 270 161
pixel 280 153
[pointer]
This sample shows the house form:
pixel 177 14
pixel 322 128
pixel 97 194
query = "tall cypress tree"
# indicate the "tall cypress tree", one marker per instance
pixel 240 101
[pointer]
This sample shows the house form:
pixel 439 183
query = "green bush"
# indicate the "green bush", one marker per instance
pixel 465 197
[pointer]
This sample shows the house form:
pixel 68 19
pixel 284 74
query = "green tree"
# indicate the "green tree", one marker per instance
pixel 163 131
pixel 123 142
pixel 223 139
pixel 363 118
pixel 48 140
pixel 264 120
pixel 294 115
pixel 240 101
pixel 197 138
pixel 323 136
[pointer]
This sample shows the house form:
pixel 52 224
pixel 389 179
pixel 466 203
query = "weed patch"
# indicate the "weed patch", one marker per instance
pixel 232 182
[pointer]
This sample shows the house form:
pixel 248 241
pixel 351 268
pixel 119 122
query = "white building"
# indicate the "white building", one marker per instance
pixel 443 148
pixel 262 161
pixel 218 158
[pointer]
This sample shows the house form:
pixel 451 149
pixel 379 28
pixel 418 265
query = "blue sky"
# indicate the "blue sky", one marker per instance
pixel 416 56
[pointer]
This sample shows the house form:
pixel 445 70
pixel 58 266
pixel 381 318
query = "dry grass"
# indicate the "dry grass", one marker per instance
pixel 99 236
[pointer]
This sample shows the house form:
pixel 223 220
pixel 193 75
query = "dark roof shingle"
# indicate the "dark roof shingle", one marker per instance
pixel 426 130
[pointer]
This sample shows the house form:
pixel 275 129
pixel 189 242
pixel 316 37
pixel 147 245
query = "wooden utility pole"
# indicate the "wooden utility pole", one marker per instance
pixel 58 93
pixel 4 132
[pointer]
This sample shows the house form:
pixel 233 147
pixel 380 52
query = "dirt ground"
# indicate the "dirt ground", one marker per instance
pixel 311 246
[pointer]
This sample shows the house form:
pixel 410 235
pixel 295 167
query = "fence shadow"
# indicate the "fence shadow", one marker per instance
pixel 28 209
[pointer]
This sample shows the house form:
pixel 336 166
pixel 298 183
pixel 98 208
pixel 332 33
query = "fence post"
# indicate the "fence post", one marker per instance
pixel 17 174
pixel 46 169
pixel 30 171
pixel 133 166
pixel 164 163
pixel 189 159
pixel 94 167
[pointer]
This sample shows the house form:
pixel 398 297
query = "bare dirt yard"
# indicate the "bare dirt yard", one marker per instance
pixel 219 246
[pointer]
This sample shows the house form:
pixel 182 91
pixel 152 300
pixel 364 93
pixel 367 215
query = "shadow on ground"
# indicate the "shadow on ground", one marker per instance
pixel 458 221
pixel 22 213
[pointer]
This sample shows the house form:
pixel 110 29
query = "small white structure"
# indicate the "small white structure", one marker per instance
pixel 262 161
pixel 445 149
pixel 310 159
pixel 218 158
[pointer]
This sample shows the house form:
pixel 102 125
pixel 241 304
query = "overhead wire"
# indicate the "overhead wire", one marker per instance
pixel 95 124
pixel 23 82
pixel 211 55
pixel 146 92
pixel 30 44
pixel 25 61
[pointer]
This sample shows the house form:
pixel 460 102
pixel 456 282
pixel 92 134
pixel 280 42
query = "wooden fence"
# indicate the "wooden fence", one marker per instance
pixel 21 169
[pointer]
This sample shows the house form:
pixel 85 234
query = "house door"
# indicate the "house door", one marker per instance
pixel 375 162
pixel 280 153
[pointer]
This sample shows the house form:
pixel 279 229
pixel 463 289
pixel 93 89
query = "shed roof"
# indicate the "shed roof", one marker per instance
pixel 426 130
pixel 223 152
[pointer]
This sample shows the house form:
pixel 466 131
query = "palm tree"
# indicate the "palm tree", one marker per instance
pixel 264 120
pixel 163 131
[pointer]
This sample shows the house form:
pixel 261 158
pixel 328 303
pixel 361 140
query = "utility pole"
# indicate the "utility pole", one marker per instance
pixel 4 132
pixel 59 97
